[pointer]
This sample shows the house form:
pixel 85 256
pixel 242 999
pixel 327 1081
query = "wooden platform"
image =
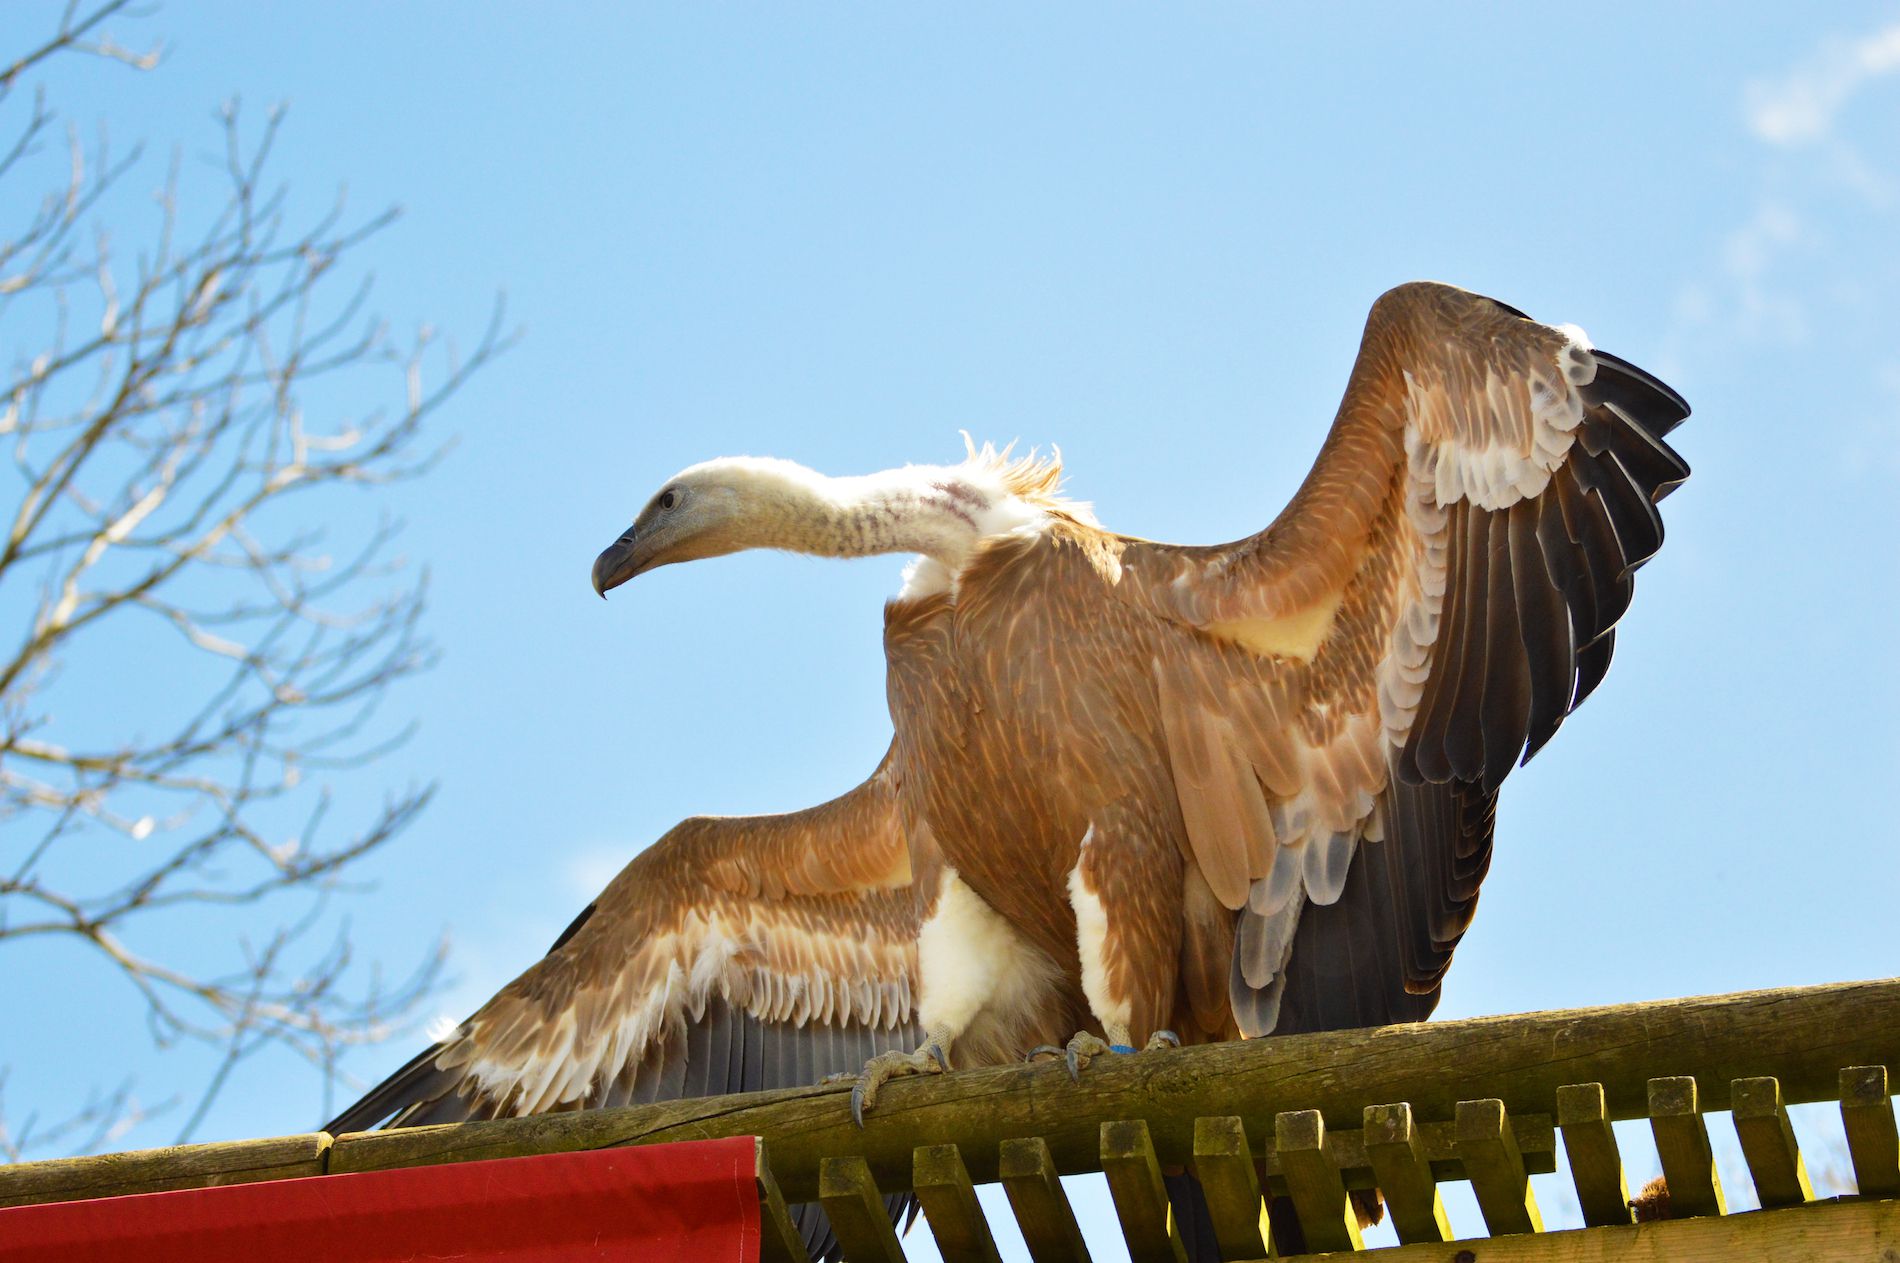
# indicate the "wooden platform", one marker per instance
pixel 1310 1117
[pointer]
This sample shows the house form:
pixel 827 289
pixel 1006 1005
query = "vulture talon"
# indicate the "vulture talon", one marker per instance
pixel 879 1070
pixel 1041 1052
pixel 1161 1039
pixel 1084 1046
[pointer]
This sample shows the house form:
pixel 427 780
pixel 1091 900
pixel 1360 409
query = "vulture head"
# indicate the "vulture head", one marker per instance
pixel 939 512
pixel 708 510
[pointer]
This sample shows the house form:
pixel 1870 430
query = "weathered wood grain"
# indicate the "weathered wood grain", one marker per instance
pixel 1802 1035
pixel 1768 1143
pixel 158 1170
pixel 1596 1163
pixel 856 1211
pixel 1496 1168
pixel 942 1183
pixel 1397 1153
pixel 1819 1230
pixel 779 1241
pixel 1034 1186
pixel 1867 1115
pixel 1682 1142
pixel 1536 1142
pixel 1141 1202
pixel 1224 1163
pixel 1319 1195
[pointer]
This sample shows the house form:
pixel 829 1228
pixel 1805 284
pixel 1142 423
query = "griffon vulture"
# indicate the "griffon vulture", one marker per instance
pixel 1135 788
pixel 1249 787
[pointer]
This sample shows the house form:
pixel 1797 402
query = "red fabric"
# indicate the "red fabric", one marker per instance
pixel 684 1201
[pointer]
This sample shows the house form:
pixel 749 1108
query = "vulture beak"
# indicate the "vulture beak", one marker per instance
pixel 618 563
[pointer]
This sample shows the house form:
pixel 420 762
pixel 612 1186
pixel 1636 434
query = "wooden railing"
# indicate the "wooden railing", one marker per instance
pixel 1310 1117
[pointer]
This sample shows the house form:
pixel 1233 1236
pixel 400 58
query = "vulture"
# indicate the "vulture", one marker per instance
pixel 1137 792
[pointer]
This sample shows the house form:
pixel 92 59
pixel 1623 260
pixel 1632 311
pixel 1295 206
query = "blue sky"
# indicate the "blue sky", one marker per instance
pixel 842 234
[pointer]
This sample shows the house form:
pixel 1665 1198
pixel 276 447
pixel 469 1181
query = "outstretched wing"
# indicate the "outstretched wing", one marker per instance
pixel 1440 594
pixel 735 954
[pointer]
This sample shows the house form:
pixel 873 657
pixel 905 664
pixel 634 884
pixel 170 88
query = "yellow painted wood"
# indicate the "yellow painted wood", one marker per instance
pixel 1141 1202
pixel 1224 1163
pixel 856 1210
pixel 943 1186
pixel 1596 1165
pixel 1496 1168
pixel 1768 1143
pixel 1029 1176
pixel 160 1170
pixel 1852 1230
pixel 1313 1180
pixel 779 1241
pixel 1867 1114
pixel 1682 1142
pixel 1396 1150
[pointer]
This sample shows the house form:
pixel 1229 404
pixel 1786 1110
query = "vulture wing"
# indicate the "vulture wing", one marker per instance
pixel 1440 594
pixel 735 954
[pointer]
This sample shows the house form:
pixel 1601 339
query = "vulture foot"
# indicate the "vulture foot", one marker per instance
pixel 1085 1046
pixel 879 1070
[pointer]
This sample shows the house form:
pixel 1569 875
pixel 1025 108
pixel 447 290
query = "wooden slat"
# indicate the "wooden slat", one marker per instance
pixel 1536 1141
pixel 1682 1142
pixel 1856 1230
pixel 1141 1201
pixel 1804 1035
pixel 1596 1165
pixel 856 1210
pixel 1495 1168
pixel 1223 1162
pixel 1768 1143
pixel 1318 1192
pixel 1867 1114
pixel 1397 1153
pixel 161 1170
pixel 779 1241
pixel 1029 1177
pixel 943 1186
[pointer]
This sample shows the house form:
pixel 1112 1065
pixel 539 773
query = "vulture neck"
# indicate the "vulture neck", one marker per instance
pixel 939 512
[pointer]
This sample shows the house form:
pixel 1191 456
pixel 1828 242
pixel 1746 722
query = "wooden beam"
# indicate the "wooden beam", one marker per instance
pixel 1319 1196
pixel 1768 1143
pixel 1867 1115
pixel 1141 1201
pixel 1818 1230
pixel 943 1186
pixel 1496 1168
pixel 1682 1142
pixel 1029 1176
pixel 1224 1163
pixel 1596 1165
pixel 779 1241
pixel 1397 1153
pixel 1803 1035
pixel 160 1170
pixel 856 1210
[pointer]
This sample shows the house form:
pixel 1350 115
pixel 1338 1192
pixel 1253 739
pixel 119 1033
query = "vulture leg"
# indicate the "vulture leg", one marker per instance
pixel 1128 941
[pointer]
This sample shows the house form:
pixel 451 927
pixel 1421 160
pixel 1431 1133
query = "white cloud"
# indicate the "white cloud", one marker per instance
pixel 1799 109
pixel 1754 297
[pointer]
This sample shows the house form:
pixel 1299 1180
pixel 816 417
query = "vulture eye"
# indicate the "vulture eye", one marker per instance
pixel 670 499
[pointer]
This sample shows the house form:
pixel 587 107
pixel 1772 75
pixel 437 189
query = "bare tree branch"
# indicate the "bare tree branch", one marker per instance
pixel 186 480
